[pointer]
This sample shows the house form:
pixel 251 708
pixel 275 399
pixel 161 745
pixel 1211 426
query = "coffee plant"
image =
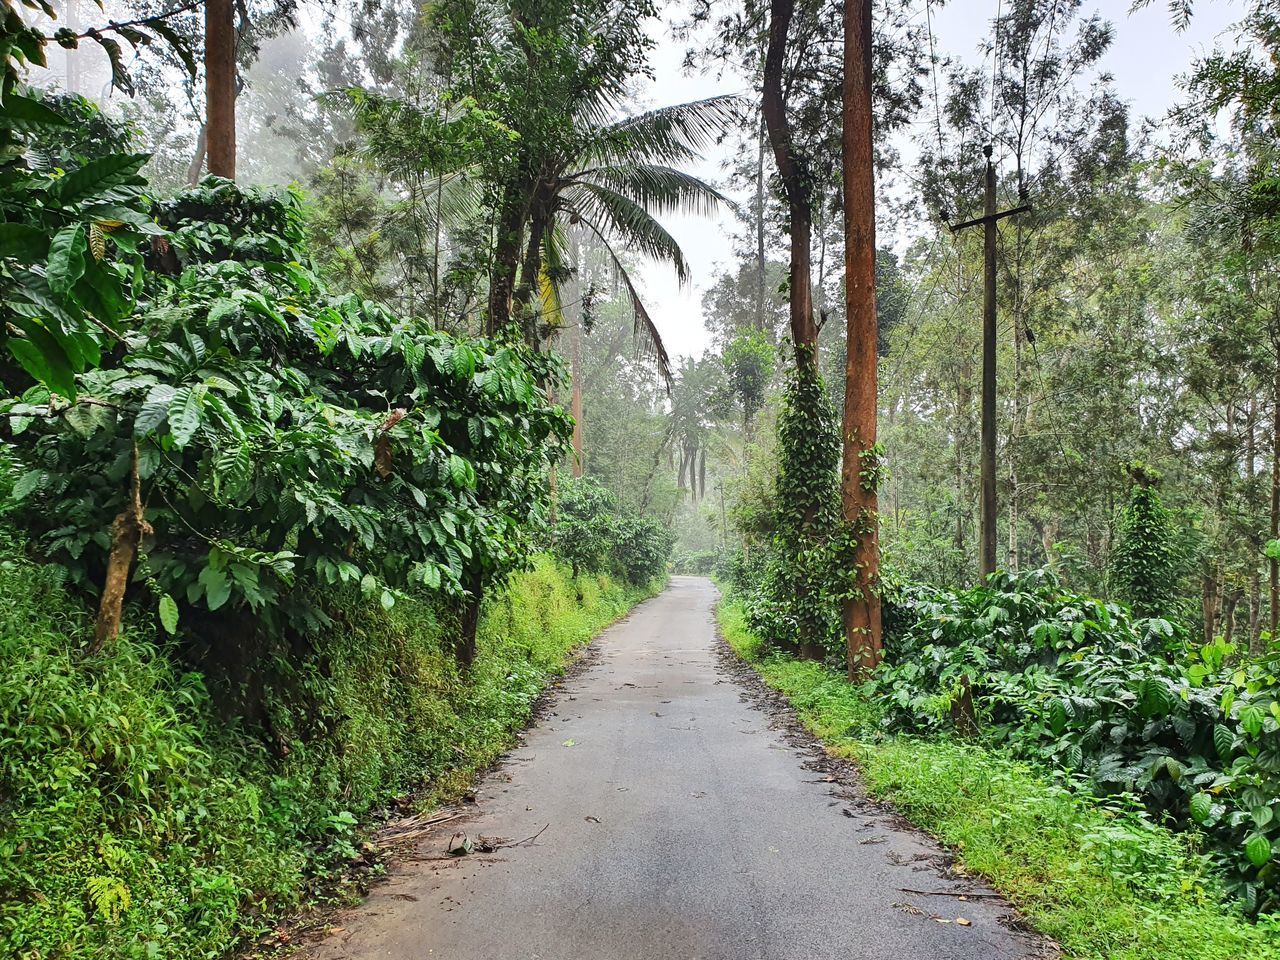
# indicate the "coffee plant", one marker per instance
pixel 594 532
pixel 275 435
pixel 1125 705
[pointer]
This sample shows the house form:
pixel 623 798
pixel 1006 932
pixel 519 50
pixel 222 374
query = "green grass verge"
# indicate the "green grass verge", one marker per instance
pixel 1104 881
pixel 137 821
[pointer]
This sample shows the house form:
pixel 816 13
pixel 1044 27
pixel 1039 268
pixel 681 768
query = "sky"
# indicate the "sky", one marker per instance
pixel 1146 58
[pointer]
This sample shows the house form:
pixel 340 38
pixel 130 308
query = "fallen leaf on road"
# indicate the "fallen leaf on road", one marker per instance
pixel 568 743
pixel 460 845
pixel 963 922
pixel 940 920
pixel 593 820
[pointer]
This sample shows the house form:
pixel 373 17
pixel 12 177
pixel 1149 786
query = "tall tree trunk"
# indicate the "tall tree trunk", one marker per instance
pixel 575 403
pixel 1255 575
pixel 761 320
pixel 860 466
pixel 1229 614
pixel 506 261
pixel 1209 602
pixel 469 626
pixel 220 87
pixel 531 268
pixel 196 167
pixel 1273 563
pixel 795 184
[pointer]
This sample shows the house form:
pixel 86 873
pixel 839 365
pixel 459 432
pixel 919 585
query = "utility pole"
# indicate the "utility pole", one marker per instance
pixel 858 495
pixel 220 87
pixel 988 221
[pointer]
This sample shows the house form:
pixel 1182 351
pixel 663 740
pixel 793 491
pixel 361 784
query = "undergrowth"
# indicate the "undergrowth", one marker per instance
pixel 1102 879
pixel 137 822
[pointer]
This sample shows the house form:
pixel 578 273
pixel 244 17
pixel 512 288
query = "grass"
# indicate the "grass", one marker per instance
pixel 1102 880
pixel 138 821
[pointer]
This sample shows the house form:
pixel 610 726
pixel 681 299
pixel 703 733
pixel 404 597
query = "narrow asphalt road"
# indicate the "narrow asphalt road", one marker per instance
pixel 680 819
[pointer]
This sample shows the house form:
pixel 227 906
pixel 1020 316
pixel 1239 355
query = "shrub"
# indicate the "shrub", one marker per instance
pixel 275 438
pixel 1117 703
pixel 595 533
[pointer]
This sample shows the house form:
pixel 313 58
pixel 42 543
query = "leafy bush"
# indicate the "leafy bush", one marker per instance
pixel 280 437
pixel 135 821
pixel 701 563
pixel 1099 876
pixel 1119 704
pixel 72 221
pixel 595 532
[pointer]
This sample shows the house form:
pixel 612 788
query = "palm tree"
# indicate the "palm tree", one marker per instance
pixel 540 148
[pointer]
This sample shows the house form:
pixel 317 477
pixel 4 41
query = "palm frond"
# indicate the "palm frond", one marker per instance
pixel 455 198
pixel 668 134
pixel 555 270
pixel 645 332
pixel 610 214
pixel 658 188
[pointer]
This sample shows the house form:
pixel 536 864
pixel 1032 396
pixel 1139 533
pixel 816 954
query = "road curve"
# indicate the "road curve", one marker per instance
pixel 681 823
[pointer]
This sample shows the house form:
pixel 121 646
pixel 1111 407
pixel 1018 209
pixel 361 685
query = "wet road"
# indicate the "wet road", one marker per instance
pixel 678 822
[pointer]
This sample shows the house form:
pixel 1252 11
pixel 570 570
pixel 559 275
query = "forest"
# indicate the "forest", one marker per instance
pixel 363 361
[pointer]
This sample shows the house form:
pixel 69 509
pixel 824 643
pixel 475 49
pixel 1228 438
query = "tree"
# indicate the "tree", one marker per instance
pixel 1144 566
pixel 532 89
pixel 220 87
pixel 860 469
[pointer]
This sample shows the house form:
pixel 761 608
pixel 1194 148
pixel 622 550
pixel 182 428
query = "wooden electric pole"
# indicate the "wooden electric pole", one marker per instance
pixel 220 87
pixel 988 222
pixel 859 467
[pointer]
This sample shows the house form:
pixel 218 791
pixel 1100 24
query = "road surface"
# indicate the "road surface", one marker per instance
pixel 681 818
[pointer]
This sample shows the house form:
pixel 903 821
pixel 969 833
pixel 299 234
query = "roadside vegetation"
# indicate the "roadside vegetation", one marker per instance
pixel 1098 874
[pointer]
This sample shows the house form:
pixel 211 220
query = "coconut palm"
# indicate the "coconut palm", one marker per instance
pixel 531 137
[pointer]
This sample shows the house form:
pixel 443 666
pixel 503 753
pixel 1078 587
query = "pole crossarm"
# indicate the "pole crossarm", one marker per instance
pixel 979 221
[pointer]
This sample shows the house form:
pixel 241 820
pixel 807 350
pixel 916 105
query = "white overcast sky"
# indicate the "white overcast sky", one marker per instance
pixel 1146 59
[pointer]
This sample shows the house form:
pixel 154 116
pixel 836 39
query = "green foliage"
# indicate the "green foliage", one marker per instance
pixel 749 366
pixel 1112 702
pixel 71 225
pixel 595 533
pixel 1144 566
pixel 284 438
pixel 1101 878
pixel 135 821
pixel 796 604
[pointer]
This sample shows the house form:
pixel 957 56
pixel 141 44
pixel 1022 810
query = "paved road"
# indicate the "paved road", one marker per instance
pixel 681 823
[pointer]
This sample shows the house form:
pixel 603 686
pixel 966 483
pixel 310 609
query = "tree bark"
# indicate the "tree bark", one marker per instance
pixel 761 320
pixel 506 262
pixel 127 531
pixel 196 167
pixel 860 463
pixel 795 184
pixel 220 87
pixel 575 403
pixel 1272 562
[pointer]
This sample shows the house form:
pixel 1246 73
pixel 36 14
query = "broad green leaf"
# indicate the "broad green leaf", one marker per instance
pixel 98 176
pixel 66 258
pixel 1201 808
pixel 185 411
pixel 169 614
pixel 217 588
pixel 154 409
pixel 1224 741
pixel 27 484
pixel 24 113
pixel 1258 849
